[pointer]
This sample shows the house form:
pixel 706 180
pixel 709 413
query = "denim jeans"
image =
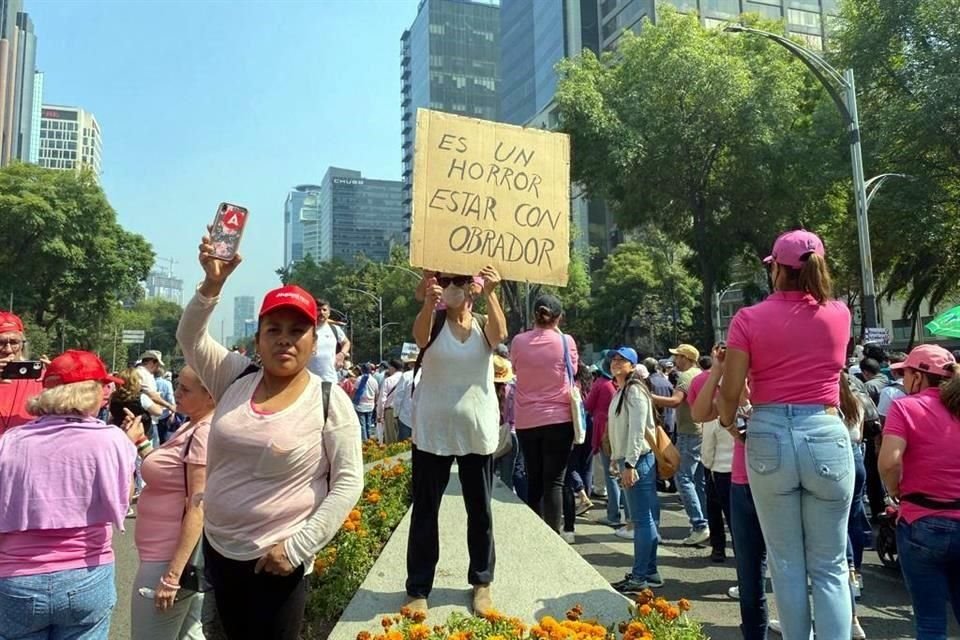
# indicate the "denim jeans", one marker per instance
pixel 368 426
pixel 511 471
pixel 74 603
pixel 645 514
pixel 856 535
pixel 929 551
pixel 800 465
pixel 751 558
pixel 615 497
pixel 404 432
pixel 691 482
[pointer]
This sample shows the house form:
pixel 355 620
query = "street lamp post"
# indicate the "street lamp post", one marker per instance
pixel 842 89
pixel 379 301
pixel 873 184
pixel 717 299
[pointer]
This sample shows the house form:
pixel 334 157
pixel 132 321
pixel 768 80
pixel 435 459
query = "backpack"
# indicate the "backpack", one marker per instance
pixel 325 388
pixel 440 319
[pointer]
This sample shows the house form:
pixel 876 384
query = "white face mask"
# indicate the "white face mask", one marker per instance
pixel 454 296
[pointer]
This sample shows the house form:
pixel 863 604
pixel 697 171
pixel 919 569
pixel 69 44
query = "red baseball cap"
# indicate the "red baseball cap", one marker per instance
pixel 77 366
pixel 9 322
pixel 929 358
pixel 792 247
pixel 292 297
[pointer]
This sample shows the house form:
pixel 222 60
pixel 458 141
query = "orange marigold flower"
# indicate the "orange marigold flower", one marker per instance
pixel 355 515
pixel 373 497
pixel 386 622
pixel 382 514
pixel 363 635
pixel 672 613
pixel 350 525
pixel 645 610
pixel 418 632
pixel 418 616
pixel 394 635
pixel 405 612
pixel 683 604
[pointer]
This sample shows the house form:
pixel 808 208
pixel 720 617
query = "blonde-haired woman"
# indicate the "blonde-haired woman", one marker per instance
pixel 66 480
pixel 170 520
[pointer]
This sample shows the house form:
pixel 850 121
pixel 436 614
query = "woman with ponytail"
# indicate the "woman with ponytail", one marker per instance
pixel 799 459
pixel 920 467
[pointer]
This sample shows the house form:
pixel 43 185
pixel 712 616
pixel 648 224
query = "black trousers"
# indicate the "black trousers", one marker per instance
pixel 255 606
pixel 546 451
pixel 718 508
pixel 431 473
pixel 875 492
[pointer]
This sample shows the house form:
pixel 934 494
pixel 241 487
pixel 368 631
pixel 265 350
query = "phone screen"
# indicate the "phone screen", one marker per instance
pixel 228 228
pixel 25 370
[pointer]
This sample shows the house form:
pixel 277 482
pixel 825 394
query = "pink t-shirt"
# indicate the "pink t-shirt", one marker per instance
pixel 739 468
pixel 30 553
pixel 931 458
pixel 797 348
pixel 161 506
pixel 543 389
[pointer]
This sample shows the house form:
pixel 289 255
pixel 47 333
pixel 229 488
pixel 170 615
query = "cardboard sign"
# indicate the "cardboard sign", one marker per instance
pixel 490 193
pixel 409 351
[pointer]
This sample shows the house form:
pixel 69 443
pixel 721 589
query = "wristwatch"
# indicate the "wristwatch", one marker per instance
pixel 628 465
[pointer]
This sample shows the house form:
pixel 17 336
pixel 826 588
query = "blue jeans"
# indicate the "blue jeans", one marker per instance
pixel 691 481
pixel 74 604
pixel 751 556
pixel 856 534
pixel 404 432
pixel 368 426
pixel 510 469
pixel 615 497
pixel 929 551
pixel 645 514
pixel 800 465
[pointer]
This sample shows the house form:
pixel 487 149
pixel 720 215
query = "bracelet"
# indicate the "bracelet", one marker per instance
pixel 139 441
pixel 143 446
pixel 174 587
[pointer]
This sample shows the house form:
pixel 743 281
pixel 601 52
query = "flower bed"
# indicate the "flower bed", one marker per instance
pixel 651 618
pixel 374 451
pixel 342 565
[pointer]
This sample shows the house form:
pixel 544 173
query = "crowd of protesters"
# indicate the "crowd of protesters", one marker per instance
pixel 250 466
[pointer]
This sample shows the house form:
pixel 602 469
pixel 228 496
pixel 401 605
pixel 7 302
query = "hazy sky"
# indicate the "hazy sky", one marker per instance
pixel 202 101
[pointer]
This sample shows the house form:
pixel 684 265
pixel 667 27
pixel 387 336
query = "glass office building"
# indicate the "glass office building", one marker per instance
pixel 302 204
pixel 805 18
pixel 354 216
pixel 449 59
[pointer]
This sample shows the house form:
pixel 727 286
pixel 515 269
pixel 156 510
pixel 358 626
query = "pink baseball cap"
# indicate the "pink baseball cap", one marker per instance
pixel 792 247
pixel 929 358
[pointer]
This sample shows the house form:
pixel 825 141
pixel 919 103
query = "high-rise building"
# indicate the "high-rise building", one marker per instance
pixel 449 59
pixel 355 215
pixel 164 285
pixel 805 18
pixel 34 156
pixel 242 312
pixel 301 205
pixel 70 139
pixel 18 48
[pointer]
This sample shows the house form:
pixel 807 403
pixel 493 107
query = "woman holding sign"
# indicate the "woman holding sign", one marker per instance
pixel 456 415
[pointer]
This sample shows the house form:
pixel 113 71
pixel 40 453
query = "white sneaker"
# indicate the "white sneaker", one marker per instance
pixel 623 532
pixel 568 536
pixel 697 537
pixel 857 632
pixel 774 625
pixel 733 593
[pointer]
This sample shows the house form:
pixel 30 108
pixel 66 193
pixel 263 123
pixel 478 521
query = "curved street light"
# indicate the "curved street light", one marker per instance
pixel 842 89
pixel 873 184
pixel 396 266
pixel 717 331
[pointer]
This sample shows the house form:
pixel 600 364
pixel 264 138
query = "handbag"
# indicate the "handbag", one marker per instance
pixel 191 579
pixel 505 442
pixel 577 411
pixel 666 454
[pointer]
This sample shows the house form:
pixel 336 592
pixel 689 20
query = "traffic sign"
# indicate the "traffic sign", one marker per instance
pixel 133 336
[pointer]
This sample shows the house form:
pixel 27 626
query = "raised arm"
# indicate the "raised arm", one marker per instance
pixel 216 366
pixel 496 329
pixel 423 324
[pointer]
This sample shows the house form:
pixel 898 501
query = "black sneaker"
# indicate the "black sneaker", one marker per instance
pixel 629 585
pixel 654 581
pixel 718 556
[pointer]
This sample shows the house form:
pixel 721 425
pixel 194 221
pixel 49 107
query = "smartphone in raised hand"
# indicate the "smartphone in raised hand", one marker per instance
pixel 23 370
pixel 227 229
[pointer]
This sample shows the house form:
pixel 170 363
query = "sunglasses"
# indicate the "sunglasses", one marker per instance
pixel 457 281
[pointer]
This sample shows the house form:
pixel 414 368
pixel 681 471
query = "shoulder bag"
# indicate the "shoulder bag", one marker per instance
pixel 577 412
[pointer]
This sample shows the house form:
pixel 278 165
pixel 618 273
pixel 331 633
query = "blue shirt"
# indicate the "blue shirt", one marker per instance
pixel 165 389
pixel 661 386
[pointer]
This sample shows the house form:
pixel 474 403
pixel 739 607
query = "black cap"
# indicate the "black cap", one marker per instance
pixel 549 302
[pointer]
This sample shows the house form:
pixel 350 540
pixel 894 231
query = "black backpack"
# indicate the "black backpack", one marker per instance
pixel 325 388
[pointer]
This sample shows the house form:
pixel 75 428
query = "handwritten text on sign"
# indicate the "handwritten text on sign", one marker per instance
pixel 490 193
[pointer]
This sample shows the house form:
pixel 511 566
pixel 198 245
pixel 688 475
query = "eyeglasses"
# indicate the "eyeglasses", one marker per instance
pixel 13 345
pixel 457 281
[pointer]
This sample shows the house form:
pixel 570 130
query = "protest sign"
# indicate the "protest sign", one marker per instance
pixel 490 193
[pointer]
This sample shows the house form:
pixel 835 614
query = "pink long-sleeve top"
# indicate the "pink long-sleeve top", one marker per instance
pixel 543 387
pixel 288 477
pixel 64 480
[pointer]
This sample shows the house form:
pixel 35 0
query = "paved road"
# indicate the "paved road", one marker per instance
pixel 884 610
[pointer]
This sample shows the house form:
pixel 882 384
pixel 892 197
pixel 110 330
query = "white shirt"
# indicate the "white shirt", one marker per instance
pixel 455 408
pixel 628 429
pixel 717 450
pixel 367 401
pixel 388 392
pixel 888 395
pixel 323 361
pixel 147 383
pixel 403 397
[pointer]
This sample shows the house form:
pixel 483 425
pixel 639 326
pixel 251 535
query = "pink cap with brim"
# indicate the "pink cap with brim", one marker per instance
pixel 929 358
pixel 793 247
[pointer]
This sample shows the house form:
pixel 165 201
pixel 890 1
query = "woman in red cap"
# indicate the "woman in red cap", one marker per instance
pixel 920 467
pixel 14 393
pixel 67 480
pixel 799 457
pixel 284 465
